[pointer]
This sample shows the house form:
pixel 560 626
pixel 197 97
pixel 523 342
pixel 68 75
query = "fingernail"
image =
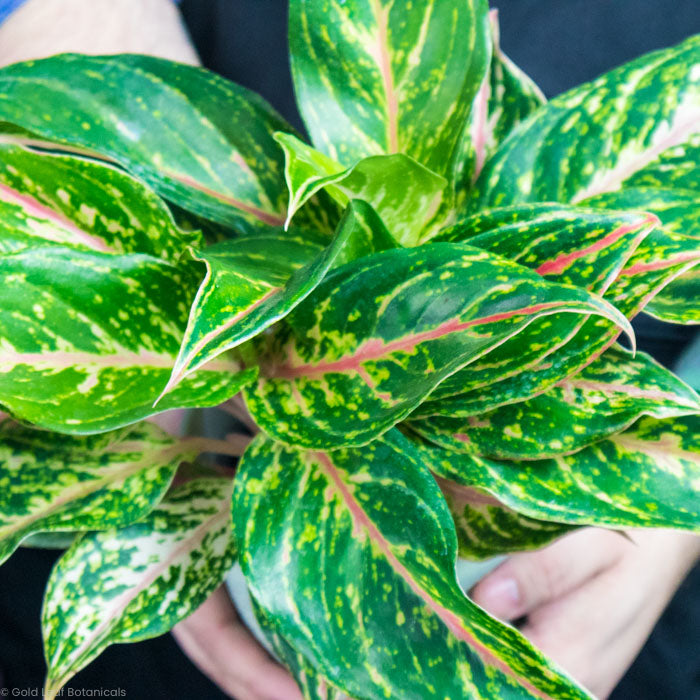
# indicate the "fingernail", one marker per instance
pixel 500 597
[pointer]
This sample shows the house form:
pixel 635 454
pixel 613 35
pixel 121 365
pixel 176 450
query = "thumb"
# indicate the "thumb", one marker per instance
pixel 527 580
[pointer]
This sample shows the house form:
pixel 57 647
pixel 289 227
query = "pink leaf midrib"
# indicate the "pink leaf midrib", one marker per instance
pixel 33 207
pixel 376 348
pixel 267 217
pixel 451 620
pixel 560 263
pixel 67 359
pixel 664 449
pixel 627 389
pixel 383 59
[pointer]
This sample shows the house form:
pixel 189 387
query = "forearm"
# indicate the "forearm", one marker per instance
pixel 41 28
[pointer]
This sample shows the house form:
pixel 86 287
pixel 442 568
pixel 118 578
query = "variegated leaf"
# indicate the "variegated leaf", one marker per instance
pixel 604 398
pixel 674 168
pixel 252 282
pixel 405 193
pixel 137 582
pixel 245 288
pixel 678 302
pixel 51 483
pixel 366 233
pixel 647 476
pixel 351 554
pixel 506 97
pixel 486 528
pixel 597 137
pixel 312 685
pixel 48 199
pixel 584 247
pixel 376 77
pixel 659 260
pixel 368 345
pixel 196 138
pixel 677 209
pixel 574 245
pixel 88 340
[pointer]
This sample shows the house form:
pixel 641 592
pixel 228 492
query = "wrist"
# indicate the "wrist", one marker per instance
pixel 674 552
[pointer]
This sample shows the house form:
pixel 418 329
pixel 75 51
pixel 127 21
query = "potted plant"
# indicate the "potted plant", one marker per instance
pixel 415 320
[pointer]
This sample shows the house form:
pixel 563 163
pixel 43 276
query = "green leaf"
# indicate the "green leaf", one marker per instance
pixel 675 168
pixel 134 583
pixel 678 302
pixel 486 528
pixel 311 684
pixel 53 483
pixel 405 193
pixel 366 235
pixel 253 282
pixel 375 77
pixel 346 365
pixel 196 138
pixel 506 97
pixel 62 200
pixel 658 259
pixel 352 555
pixel 88 340
pixel 597 137
pixel 603 398
pixel 647 476
pixel 677 209
pixel 574 245
pixel 243 290
pixel 583 247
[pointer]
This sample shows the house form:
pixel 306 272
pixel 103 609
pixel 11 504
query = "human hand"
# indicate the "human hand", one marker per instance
pixel 215 639
pixel 591 598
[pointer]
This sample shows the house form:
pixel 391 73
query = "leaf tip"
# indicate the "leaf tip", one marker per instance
pixel 175 378
pixel 629 332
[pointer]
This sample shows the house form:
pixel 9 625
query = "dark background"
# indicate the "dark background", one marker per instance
pixel 560 43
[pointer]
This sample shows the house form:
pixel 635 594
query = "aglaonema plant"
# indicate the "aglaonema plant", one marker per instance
pixel 416 317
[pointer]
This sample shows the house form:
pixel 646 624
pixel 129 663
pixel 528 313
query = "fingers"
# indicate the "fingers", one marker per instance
pixel 526 581
pixel 216 640
pixel 596 631
pixel 599 598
